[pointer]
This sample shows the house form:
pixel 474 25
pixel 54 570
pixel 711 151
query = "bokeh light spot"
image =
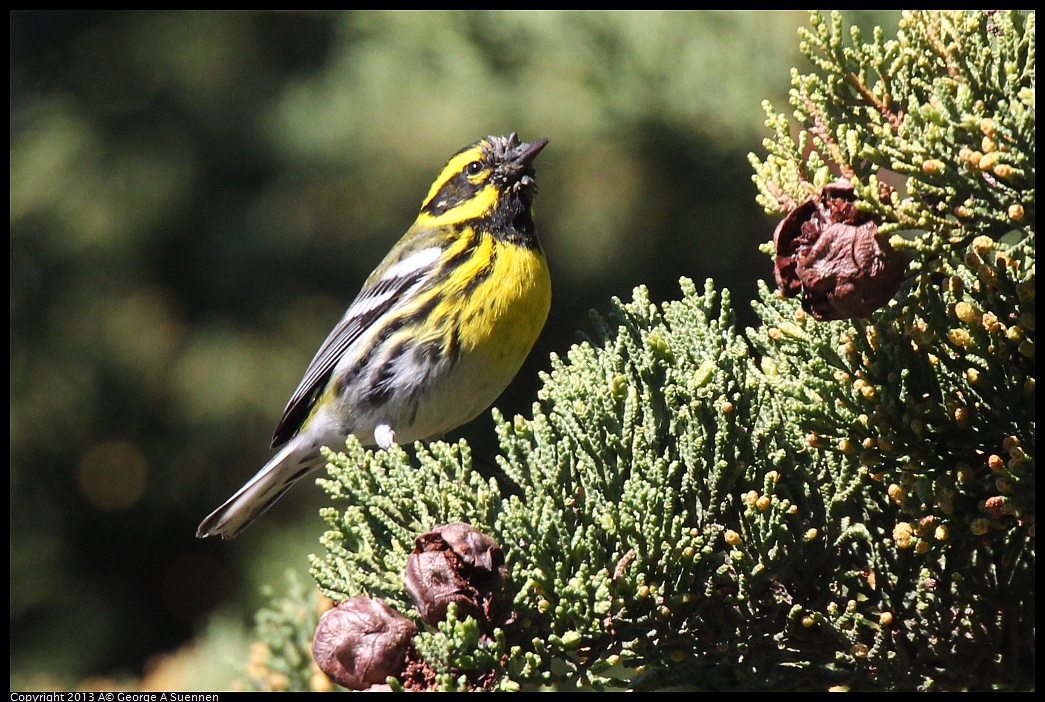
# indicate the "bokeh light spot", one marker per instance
pixel 113 475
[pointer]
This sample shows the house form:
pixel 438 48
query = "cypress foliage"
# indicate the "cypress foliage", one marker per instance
pixel 812 504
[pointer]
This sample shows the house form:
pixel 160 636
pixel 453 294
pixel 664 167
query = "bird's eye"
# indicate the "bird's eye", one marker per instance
pixel 474 168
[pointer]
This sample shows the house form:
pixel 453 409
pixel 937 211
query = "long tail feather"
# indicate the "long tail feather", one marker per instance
pixel 259 493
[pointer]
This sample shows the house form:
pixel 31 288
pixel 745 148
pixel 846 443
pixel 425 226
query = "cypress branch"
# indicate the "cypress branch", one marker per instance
pixel 843 504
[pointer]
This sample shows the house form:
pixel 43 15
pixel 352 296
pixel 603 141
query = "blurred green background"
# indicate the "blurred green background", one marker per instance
pixel 196 197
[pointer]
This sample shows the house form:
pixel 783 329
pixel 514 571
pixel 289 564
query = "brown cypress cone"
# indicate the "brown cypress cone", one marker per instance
pixel 457 563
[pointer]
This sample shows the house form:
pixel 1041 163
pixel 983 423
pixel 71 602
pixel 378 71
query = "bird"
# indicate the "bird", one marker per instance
pixel 437 332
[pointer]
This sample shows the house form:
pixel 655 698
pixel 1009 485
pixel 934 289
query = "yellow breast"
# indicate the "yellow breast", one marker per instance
pixel 510 302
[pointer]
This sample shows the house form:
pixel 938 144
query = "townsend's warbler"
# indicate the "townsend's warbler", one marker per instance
pixel 438 331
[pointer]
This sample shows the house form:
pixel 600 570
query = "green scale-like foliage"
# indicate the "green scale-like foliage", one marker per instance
pixel 948 108
pixel 630 477
pixel 939 433
pixel 934 396
pixel 811 505
pixel 632 529
pixel 280 659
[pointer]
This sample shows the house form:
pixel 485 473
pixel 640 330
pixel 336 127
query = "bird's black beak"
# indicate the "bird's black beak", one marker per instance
pixel 523 155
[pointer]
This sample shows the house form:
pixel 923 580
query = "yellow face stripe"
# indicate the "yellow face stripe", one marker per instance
pixel 452 168
pixel 473 208
pixel 440 198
